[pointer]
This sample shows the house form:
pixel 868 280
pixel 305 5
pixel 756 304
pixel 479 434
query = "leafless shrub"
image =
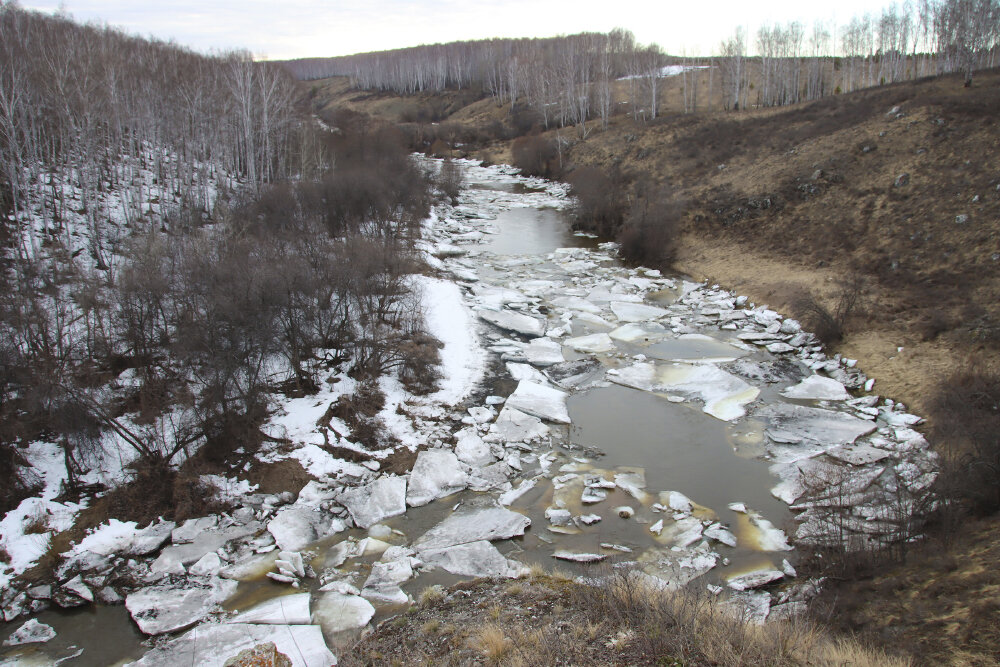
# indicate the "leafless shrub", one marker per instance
pixel 649 235
pixel 156 489
pixel 965 416
pixel 600 200
pixel 830 326
pixel 359 411
pixel 420 371
pixel 536 156
pixel 449 180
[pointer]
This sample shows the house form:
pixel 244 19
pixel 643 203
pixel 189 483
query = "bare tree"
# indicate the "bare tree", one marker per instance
pixel 732 65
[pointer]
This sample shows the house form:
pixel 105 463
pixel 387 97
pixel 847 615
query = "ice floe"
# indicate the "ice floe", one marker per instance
pixel 472 525
pixel 511 321
pixel 436 474
pixel 818 388
pixel 166 607
pixel 371 503
pixel 724 395
pixel 541 401
pixel 213 644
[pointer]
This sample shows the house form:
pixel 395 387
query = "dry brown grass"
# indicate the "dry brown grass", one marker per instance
pixel 430 595
pixel 941 604
pixel 491 641
pixel 553 621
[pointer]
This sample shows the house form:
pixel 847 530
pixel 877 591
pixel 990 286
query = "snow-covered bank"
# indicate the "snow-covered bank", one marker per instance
pixel 449 319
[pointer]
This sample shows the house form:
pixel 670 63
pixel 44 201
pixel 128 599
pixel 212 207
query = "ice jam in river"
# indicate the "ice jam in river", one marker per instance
pixel 589 413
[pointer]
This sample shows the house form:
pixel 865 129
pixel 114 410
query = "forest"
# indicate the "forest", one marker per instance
pixel 178 246
pixel 570 79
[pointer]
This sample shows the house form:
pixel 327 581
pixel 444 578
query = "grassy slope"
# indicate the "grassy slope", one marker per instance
pixel 933 298
pixel 550 620
pixel 835 209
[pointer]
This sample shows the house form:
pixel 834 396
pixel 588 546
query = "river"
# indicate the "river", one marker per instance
pixel 678 424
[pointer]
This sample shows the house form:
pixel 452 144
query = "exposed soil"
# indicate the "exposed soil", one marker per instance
pixel 286 475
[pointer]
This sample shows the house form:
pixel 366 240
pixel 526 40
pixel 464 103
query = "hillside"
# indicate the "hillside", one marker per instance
pixel 892 190
pixel 811 189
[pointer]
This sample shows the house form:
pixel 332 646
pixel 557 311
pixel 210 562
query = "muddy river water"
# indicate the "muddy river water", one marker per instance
pixel 636 418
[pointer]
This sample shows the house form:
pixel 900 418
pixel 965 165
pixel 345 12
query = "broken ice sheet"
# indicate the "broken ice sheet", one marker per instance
pixel 597 343
pixel 435 474
pixel 511 321
pixel 31 632
pixel 473 559
pixel 677 566
pixel 213 644
pixel 796 423
pixel 577 556
pixel 282 610
pixel 166 608
pixel 758 533
pixel 544 352
pixel 818 388
pixel 636 312
pixel 512 425
pixel 648 332
pixel 724 394
pixel 337 612
pixel 472 525
pixel 369 504
pixel 541 401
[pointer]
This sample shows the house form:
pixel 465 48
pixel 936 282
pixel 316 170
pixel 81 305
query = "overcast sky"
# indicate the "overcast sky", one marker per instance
pixel 302 28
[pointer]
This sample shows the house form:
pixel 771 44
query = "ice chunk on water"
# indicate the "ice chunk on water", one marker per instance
pixel 755 579
pixel 634 333
pixel 676 567
pixel 597 343
pixel 678 502
pixel 191 529
pixel 578 557
pixel 383 582
pixel 369 504
pixel 794 424
pixel 436 474
pixel 724 394
pixel 284 610
pixel 540 401
pixel 337 611
pixel 506 319
pixel 32 632
pixel 294 527
pixel 636 312
pixel 472 525
pixel 818 388
pixel 122 537
pixel 475 559
pixel 544 352
pixel 165 608
pixel 576 303
pixel 757 532
pixel 472 450
pixel 633 482
pixel 515 426
pixel 525 372
pixel 720 533
pixel 213 644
